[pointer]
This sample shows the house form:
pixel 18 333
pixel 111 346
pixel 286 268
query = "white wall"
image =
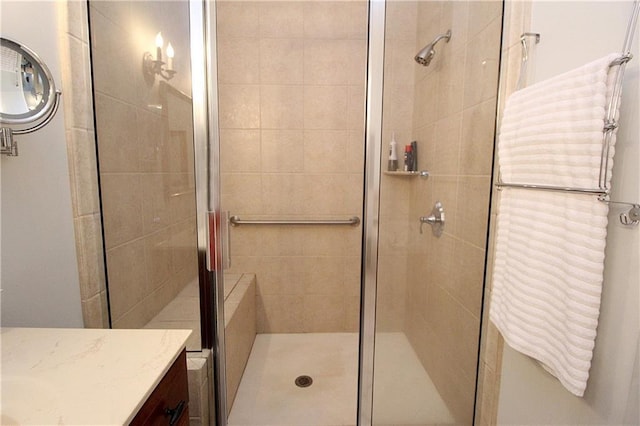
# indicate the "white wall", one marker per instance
pixel 574 33
pixel 39 275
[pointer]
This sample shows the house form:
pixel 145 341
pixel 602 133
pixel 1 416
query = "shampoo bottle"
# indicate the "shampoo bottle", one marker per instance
pixel 414 156
pixel 408 159
pixel 393 154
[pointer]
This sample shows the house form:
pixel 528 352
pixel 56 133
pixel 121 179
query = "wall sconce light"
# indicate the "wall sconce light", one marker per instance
pixel 151 66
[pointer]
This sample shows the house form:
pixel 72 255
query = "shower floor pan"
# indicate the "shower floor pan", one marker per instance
pixel 403 394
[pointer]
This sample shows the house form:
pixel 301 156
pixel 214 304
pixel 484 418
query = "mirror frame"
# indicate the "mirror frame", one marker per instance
pixel 48 103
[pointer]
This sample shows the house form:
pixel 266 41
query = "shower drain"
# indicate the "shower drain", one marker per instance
pixel 303 381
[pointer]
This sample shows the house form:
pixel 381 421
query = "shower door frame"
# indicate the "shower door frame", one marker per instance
pixel 207 153
pixel 370 220
pixel 207 160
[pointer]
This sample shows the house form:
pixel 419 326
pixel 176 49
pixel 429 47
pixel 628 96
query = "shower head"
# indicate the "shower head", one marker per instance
pixel 427 53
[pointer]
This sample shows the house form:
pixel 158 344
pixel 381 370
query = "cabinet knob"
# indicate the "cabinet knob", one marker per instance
pixel 175 413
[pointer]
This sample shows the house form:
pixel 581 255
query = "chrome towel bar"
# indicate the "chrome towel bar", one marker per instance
pixel 600 192
pixel 630 218
pixel 236 221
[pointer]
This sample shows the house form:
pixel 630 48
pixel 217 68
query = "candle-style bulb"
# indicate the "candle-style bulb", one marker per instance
pixel 159 40
pixel 170 54
pixel 159 44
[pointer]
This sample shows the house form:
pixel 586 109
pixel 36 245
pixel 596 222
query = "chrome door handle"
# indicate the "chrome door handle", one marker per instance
pixel 226 242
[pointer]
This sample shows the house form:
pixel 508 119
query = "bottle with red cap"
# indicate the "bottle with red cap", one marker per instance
pixel 408 158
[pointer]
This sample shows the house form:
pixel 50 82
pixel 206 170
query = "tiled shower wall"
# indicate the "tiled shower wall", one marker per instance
pixel 291 96
pixel 453 122
pixel 145 153
pixel 398 95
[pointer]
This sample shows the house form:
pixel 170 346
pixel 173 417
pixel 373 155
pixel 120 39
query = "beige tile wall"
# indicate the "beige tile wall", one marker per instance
pixel 398 95
pixel 144 132
pixel 200 380
pixel 240 332
pixel 453 122
pixel 291 96
pixel 76 87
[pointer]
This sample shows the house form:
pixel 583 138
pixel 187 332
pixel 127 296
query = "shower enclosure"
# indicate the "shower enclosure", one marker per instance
pixel 232 169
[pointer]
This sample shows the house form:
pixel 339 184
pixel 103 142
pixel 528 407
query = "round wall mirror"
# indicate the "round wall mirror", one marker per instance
pixel 27 90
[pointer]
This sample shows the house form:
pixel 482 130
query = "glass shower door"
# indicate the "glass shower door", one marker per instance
pixel 431 266
pixel 144 129
pixel 291 102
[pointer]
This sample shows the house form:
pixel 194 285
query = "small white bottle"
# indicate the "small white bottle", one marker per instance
pixel 393 154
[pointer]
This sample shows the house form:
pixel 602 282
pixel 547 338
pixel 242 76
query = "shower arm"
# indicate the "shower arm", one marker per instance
pixel 446 35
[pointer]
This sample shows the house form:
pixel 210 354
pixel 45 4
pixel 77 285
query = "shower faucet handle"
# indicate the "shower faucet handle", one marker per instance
pixel 435 219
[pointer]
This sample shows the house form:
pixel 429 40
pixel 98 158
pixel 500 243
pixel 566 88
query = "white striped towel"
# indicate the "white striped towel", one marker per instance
pixel 551 132
pixel 549 257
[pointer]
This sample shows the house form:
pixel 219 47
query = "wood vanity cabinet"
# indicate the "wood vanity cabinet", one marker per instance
pixel 169 402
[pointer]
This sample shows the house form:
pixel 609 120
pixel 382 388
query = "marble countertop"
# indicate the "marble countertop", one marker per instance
pixel 82 376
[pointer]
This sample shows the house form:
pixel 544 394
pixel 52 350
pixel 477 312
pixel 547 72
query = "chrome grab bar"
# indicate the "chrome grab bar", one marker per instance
pixel 236 221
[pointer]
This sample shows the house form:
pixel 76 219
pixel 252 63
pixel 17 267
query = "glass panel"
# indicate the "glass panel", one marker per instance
pixel 145 143
pixel 430 287
pixel 291 80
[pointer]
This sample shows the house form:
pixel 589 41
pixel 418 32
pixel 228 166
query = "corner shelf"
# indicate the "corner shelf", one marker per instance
pixel 421 173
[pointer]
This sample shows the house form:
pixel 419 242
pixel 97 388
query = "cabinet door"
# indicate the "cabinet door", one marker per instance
pixel 169 402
